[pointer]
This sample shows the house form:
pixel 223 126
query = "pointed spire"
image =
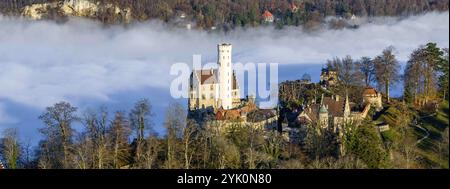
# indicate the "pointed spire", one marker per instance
pixel 346 106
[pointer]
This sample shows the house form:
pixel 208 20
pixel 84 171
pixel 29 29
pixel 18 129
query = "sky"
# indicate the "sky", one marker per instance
pixel 89 65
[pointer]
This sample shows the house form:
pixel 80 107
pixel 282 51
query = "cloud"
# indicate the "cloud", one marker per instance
pixel 42 62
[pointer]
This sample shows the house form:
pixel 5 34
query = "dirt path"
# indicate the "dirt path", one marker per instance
pixel 417 125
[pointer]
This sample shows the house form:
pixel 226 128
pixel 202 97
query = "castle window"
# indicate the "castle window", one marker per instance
pixel 212 87
pixel 203 97
pixel 212 96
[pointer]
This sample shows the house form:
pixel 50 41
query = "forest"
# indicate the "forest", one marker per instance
pixel 127 139
pixel 228 14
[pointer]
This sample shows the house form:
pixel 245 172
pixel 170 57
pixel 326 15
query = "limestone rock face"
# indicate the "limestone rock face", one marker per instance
pixel 78 8
pixel 35 11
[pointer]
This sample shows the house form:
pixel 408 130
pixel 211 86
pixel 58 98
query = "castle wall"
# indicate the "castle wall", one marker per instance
pixel 224 126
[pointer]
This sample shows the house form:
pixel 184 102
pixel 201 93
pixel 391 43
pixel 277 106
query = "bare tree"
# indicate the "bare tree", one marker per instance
pixel 117 135
pixel 367 68
pixel 96 126
pixel 140 118
pixel 174 122
pixel 58 120
pixel 151 151
pixel 82 152
pixel 387 70
pixel 190 136
pixel 27 155
pixel 140 122
pixel 347 70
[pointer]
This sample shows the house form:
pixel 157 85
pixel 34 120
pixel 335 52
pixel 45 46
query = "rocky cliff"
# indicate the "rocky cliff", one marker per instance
pixel 78 8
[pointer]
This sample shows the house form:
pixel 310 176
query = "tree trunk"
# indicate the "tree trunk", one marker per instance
pixel 64 146
pixel 387 91
pixel 186 151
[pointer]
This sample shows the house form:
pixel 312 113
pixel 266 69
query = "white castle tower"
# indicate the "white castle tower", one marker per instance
pixel 225 75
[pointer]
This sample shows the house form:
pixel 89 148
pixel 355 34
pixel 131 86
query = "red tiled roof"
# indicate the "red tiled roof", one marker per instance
pixel 220 114
pixel 228 114
pixel 293 6
pixel 267 14
pixel 370 91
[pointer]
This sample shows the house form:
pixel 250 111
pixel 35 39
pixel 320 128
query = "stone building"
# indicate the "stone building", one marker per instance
pixel 215 88
pixel 373 97
pixel 268 17
pixel 328 77
pixel 332 113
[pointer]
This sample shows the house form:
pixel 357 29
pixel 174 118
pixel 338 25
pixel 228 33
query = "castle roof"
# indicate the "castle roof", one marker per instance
pixel 267 14
pixel 207 76
pixel 260 115
pixel 332 106
pixel 211 77
pixel 233 114
pixel 311 112
pixel 335 107
pixel 369 91
pixel 323 109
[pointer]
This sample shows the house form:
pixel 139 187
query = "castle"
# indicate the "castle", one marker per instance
pixel 332 113
pixel 373 97
pixel 215 88
pixel 214 98
pixel 328 77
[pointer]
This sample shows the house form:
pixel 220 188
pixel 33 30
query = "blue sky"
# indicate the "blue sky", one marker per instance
pixel 42 62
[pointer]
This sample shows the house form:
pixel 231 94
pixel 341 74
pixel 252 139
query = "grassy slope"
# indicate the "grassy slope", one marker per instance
pixel 428 148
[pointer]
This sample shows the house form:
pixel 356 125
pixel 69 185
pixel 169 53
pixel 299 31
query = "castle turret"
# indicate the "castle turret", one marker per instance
pixel 323 116
pixel 225 75
pixel 346 107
